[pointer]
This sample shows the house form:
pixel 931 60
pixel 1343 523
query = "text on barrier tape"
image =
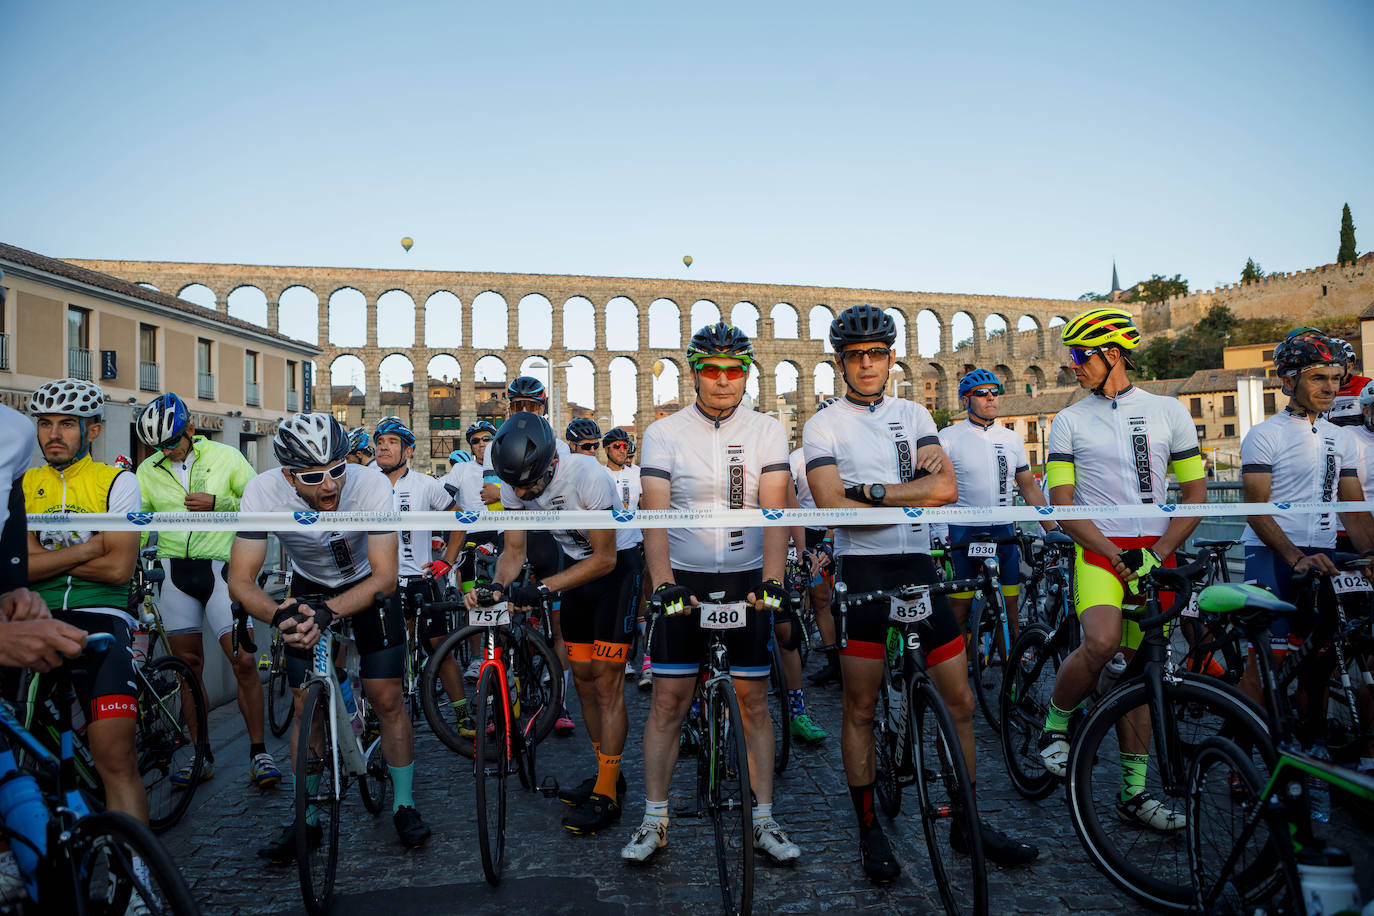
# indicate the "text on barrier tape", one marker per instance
pixel 539 520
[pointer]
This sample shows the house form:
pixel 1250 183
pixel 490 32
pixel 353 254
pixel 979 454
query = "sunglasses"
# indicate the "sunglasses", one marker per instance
pixel 315 478
pixel 587 446
pixel 876 354
pixel 712 371
pixel 618 445
pixel 479 439
pixel 985 393
pixel 1080 355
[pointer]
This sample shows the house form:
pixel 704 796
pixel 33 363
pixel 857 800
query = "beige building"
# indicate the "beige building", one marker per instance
pixel 60 320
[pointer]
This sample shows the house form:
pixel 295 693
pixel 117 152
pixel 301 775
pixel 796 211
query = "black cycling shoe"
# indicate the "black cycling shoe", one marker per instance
pixel 596 813
pixel 283 851
pixel 412 831
pixel 831 671
pixel 880 864
pixel 578 794
pixel 998 848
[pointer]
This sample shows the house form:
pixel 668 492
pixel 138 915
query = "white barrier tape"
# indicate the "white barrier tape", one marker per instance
pixel 531 520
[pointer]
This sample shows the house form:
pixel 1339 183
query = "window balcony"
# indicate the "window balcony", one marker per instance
pixel 252 396
pixel 292 401
pixel 149 376
pixel 79 363
pixel 205 386
pixel 4 351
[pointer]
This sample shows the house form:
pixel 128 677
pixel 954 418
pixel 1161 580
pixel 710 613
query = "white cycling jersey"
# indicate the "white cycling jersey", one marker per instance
pixel 714 466
pixel 797 462
pixel 986 461
pixel 1364 444
pixel 16 447
pixel 331 558
pixel 416 492
pixel 1118 452
pixel 579 483
pixel 1305 462
pixel 872 446
pixel 628 488
pixel 466 478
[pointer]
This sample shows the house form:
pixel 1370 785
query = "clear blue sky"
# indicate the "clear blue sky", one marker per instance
pixel 1004 148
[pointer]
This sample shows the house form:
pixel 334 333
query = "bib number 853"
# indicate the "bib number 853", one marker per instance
pixel 910 610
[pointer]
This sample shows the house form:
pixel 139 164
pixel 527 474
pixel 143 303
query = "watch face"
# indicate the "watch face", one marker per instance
pixel 877 492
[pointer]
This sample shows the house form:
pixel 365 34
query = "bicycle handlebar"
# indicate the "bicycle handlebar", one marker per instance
pixel 1180 581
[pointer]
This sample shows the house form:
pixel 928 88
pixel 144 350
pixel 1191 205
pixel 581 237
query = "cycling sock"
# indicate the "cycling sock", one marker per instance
pixel 762 811
pixel 607 774
pixel 312 785
pixel 798 702
pixel 658 810
pixel 1133 768
pixel 256 749
pixel 862 796
pixel 567 688
pixel 1058 719
pixel 460 707
pixel 596 748
pixel 402 779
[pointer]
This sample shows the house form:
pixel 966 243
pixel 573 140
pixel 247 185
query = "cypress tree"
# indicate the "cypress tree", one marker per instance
pixel 1346 255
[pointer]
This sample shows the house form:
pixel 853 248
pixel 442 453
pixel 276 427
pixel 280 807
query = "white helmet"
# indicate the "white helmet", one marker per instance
pixel 68 396
pixel 1367 396
pixel 310 440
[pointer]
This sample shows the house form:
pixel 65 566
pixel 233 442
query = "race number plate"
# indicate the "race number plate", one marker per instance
pixel 982 549
pixel 726 616
pixel 498 615
pixel 1349 581
pixel 910 610
pixel 1192 609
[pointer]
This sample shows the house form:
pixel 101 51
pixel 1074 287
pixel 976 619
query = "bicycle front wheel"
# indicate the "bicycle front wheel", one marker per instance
pixel 889 746
pixel 1115 750
pixel 779 711
pixel 280 708
pixel 987 656
pixel 949 812
pixel 373 784
pixel 490 767
pixel 319 791
pixel 172 738
pixel 1024 700
pixel 728 798
pixel 117 864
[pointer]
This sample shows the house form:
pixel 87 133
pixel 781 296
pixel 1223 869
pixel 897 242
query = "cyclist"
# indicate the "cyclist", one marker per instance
pixel 1297 456
pixel 820 545
pixel 599 586
pixel 1345 408
pixel 789 634
pixel 351 567
pixel 1115 448
pixel 360 449
pixel 467 478
pixel 189 473
pixel 625 476
pixel 583 436
pixel 84 576
pixel 872 450
pixel 713 454
pixel 990 465
pixel 419 575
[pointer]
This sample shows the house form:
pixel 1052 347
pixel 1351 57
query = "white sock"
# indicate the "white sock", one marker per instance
pixel 657 810
pixel 762 812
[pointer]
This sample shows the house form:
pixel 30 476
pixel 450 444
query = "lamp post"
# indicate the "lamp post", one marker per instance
pixel 1040 426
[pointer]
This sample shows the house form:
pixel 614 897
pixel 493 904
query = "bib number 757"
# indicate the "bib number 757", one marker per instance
pixel 726 616
pixel 497 615
pixel 910 610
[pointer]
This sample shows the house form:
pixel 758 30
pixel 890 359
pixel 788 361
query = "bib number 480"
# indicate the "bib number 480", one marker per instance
pixel 728 616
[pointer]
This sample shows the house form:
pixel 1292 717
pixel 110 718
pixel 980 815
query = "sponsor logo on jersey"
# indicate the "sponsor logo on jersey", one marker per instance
pixel 1001 474
pixel 906 462
pixel 1140 454
pixel 735 462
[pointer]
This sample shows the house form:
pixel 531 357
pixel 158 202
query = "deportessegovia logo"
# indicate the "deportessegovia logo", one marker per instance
pixel 772 514
pixel 1282 506
pixel 466 517
pixel 622 515
pixel 1167 508
pixel 306 518
pixel 913 511
pixel 1045 510
pixel 140 518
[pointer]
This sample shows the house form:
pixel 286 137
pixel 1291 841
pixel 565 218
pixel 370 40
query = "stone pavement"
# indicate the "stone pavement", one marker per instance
pixel 550 871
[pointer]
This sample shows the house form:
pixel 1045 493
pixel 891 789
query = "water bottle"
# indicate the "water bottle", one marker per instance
pixel 1328 884
pixel 1318 792
pixel 350 702
pixel 1111 673
pixel 23 812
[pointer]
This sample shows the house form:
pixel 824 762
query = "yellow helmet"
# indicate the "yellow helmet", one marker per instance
pixel 1101 326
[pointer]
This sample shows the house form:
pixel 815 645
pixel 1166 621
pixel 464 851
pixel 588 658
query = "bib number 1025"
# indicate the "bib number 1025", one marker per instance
pixel 726 616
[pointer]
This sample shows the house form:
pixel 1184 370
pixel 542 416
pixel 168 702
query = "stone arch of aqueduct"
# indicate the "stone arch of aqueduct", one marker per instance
pixel 1029 356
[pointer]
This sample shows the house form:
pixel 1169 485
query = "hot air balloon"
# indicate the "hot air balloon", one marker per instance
pixel 407 242
pixel 658 368
pixel 687 259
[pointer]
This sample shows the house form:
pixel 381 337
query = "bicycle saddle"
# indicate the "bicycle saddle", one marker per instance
pixel 1057 538
pixel 1229 597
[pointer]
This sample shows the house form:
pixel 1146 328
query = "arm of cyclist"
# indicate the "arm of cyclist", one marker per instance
pixel 1191 492
pixel 1086 534
pixel 383 557
pixel 440 568
pixel 1255 485
pixel 773 489
pixel 108 556
pixel 246 559
pixel 935 488
pixel 23 604
pixel 797 532
pixel 1033 495
pixel 14 542
pixel 588 569
pixel 508 565
pixel 39 644
pixel 1358 525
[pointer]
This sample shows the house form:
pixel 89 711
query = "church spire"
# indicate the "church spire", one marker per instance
pixel 1116 284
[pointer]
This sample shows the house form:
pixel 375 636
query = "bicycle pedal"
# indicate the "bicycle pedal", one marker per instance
pixel 549 787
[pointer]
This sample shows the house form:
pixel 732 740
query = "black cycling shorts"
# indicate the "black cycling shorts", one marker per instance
pixel 813 537
pixel 598 617
pixel 544 554
pixel 866 625
pixel 423 591
pixel 678 646
pixel 106 688
pixel 378 632
pixel 467 564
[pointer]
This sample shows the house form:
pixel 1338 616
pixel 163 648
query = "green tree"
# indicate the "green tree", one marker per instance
pixel 1155 358
pixel 1347 254
pixel 942 417
pixel 1158 289
pixel 1251 271
pixel 1091 296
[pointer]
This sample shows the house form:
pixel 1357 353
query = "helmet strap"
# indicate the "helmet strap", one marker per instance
pixel 854 396
pixel 1119 384
pixel 715 416
pixel 1296 405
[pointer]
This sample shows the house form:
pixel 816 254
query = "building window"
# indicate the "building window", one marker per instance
pixel 4 334
pixel 341 414
pixel 205 379
pixel 293 398
pixel 78 343
pixel 1270 406
pixel 149 378
pixel 252 393
pixel 1266 355
pixel 1195 406
pixel 1228 430
pixel 1228 405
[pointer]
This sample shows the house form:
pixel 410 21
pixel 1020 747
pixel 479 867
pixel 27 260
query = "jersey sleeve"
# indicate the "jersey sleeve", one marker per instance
pixel 656 454
pixel 1059 468
pixel 508 498
pixel 923 427
pixel 1019 453
pixel 818 443
pixel 1348 453
pixel 1185 458
pixel 240 473
pixel 439 498
pixel 598 490
pixel 1257 451
pixel 125 495
pixel 254 500
pixel 773 450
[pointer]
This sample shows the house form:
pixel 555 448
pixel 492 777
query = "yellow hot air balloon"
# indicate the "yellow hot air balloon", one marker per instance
pixel 407 242
pixel 658 368
pixel 687 259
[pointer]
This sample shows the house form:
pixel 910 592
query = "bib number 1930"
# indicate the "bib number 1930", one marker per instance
pixel 910 610
pixel 982 549
pixel 726 616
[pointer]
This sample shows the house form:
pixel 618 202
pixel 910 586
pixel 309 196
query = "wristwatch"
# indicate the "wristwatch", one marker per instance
pixel 876 492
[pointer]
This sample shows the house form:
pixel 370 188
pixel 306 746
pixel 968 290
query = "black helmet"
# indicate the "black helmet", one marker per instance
pixel 615 434
pixel 860 324
pixel 523 450
pixel 582 428
pixel 481 426
pixel 310 440
pixel 1302 351
pixel 527 387
pixel 720 339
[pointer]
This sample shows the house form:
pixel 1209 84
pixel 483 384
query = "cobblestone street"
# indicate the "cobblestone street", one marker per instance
pixel 550 871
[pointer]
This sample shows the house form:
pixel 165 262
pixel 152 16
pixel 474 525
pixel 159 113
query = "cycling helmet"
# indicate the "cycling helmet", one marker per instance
pixel 68 396
pixel 978 378
pixel 523 450
pixel 1294 355
pixel 860 324
pixel 615 434
pixel 358 441
pixel 1101 326
pixel 481 426
pixel 162 422
pixel 392 426
pixel 582 428
pixel 632 448
pixel 310 440
pixel 123 461
pixel 1345 351
pixel 527 387
pixel 1367 396
pixel 458 456
pixel 720 339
